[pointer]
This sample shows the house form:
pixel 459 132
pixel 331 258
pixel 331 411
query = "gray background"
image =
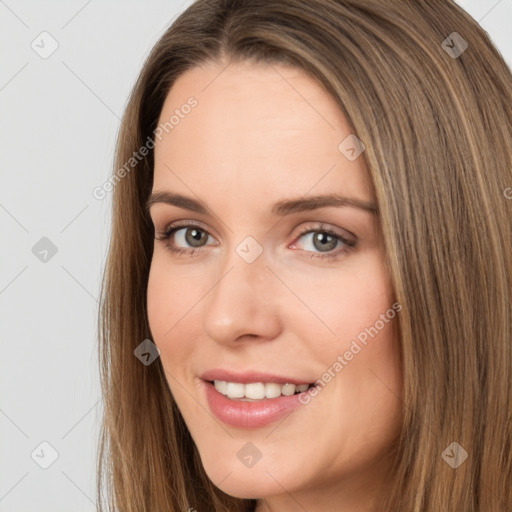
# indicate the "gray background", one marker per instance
pixel 58 123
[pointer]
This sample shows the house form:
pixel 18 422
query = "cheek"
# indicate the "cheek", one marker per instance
pixel 173 294
pixel 158 298
pixel 354 335
pixel 169 296
pixel 167 303
pixel 345 303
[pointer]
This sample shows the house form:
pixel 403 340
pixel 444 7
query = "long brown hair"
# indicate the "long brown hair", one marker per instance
pixel 431 98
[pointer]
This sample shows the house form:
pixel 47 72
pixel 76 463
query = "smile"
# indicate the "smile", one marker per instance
pixel 258 390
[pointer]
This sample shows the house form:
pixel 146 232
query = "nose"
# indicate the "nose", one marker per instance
pixel 244 303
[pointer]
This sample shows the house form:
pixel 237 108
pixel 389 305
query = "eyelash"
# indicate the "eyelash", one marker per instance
pixel 167 233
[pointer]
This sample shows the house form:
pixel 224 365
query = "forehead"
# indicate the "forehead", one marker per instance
pixel 258 128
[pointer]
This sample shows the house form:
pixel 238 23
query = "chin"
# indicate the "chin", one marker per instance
pixel 243 482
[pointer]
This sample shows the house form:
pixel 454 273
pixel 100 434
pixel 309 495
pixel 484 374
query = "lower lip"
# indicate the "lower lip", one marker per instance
pixel 242 414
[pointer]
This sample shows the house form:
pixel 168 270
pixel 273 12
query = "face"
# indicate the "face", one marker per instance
pixel 258 292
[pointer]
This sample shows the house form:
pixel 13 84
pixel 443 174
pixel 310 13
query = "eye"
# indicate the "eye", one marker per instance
pixel 325 240
pixel 191 234
pixel 321 240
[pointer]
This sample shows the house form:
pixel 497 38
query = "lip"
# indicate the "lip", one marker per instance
pixel 242 414
pixel 251 376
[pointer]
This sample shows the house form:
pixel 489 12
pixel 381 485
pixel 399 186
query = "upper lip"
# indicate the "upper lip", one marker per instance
pixel 249 376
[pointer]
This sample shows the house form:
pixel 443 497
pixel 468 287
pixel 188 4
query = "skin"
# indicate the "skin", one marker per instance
pixel 261 134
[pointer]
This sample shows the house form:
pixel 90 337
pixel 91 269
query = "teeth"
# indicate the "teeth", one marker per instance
pixel 288 390
pixel 235 390
pixel 272 390
pixel 257 390
pixel 221 386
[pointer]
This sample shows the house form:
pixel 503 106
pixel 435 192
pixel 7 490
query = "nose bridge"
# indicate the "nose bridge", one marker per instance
pixel 243 298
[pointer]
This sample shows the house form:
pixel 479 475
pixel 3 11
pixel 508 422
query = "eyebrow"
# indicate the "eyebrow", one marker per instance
pixel 281 208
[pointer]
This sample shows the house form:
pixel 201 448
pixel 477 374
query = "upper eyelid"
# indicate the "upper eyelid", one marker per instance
pixel 174 226
pixel 200 224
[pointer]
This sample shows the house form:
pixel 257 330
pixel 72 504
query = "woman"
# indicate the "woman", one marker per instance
pixel 307 299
